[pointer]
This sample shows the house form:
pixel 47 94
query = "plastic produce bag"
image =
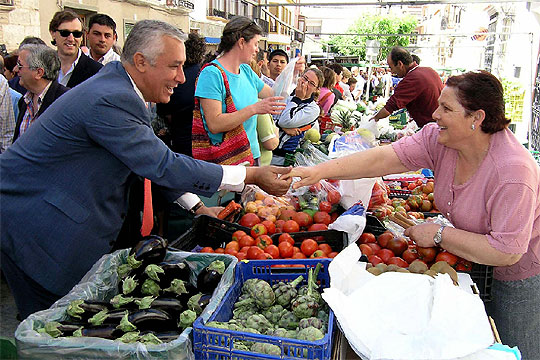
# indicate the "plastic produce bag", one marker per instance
pixel 285 79
pixel 348 144
pixel 100 283
pixel 379 194
pixel 352 221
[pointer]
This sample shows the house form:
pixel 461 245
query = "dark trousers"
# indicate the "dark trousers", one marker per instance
pixel 29 295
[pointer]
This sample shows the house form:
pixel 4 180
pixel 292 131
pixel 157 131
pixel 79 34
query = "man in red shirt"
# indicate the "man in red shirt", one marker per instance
pixel 418 91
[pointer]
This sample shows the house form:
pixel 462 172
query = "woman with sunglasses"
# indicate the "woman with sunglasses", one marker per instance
pixel 301 114
pixel 239 45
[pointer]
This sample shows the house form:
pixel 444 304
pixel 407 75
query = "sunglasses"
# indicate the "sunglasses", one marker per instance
pixel 20 66
pixel 65 33
pixel 306 79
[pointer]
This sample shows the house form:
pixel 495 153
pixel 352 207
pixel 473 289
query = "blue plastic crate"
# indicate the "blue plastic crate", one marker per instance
pixel 212 343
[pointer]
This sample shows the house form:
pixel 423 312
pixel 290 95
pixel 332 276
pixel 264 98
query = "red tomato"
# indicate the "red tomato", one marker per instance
pixel 303 219
pixel 296 249
pixel 309 246
pixel 384 238
pixel 263 256
pixel 291 226
pixel 263 241
pixel 366 249
pixel 285 249
pixel 450 258
pixel 231 251
pixel 299 255
pixel 286 214
pixel 321 217
pixel 427 254
pixel 207 249
pixel 280 223
pixel 270 227
pixel 249 219
pixel 241 256
pixel 318 254
pixel 333 196
pixel 409 255
pixel 398 245
pixel 374 247
pixel 333 217
pixel 374 260
pixel 220 251
pixel 246 240
pixel 318 227
pixel 385 255
pixel 398 261
pixel 366 238
pixel 326 248
pixel 286 237
pixel 325 206
pixel 333 254
pixel 245 249
pixel 258 230
pixel 237 235
pixel 253 252
pixel 315 188
pixel 272 250
pixel 233 245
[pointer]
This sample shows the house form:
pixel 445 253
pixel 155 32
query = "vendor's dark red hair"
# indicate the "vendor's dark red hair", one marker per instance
pixel 480 90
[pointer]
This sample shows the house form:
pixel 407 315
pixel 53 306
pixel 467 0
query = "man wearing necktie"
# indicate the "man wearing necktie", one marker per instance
pixel 63 190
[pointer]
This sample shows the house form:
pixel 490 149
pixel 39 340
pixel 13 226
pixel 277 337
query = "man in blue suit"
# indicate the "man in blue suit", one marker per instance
pixel 64 183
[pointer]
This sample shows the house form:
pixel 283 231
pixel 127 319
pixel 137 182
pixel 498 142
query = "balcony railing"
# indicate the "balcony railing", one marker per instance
pixel 264 25
pixel 175 3
pixel 219 13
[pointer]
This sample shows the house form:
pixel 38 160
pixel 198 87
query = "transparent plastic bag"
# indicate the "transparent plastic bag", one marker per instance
pixel 285 79
pixel 379 194
pixel 101 283
pixel 348 144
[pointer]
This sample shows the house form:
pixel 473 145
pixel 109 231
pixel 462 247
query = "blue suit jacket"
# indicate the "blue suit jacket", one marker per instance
pixel 63 184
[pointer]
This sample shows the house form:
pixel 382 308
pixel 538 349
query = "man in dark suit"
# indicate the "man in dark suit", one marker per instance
pixel 38 69
pixel 63 190
pixel 66 29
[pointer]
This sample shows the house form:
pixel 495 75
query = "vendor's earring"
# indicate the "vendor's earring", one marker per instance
pixel 473 127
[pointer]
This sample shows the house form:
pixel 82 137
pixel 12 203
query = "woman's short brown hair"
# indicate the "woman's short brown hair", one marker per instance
pixel 329 77
pixel 480 90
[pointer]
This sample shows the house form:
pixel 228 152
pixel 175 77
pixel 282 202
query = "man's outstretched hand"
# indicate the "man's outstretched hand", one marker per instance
pixel 269 178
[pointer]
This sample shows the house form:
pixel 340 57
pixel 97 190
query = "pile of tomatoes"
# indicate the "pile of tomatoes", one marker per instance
pixel 389 249
pixel 258 245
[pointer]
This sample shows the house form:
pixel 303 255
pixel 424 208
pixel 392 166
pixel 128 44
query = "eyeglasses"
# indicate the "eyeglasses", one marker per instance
pixel 65 33
pixel 20 66
pixel 306 79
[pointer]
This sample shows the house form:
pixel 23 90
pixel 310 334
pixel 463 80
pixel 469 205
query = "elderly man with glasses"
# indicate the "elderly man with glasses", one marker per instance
pixel 38 67
pixel 66 29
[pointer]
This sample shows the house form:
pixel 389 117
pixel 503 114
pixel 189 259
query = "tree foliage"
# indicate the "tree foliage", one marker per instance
pixel 369 24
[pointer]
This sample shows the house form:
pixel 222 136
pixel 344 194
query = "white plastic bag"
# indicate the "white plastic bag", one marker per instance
pixel 284 80
pixel 352 221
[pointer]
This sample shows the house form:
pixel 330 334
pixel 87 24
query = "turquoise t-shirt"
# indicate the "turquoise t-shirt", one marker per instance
pixel 245 88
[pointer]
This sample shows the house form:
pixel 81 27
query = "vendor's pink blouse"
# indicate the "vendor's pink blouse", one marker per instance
pixel 501 200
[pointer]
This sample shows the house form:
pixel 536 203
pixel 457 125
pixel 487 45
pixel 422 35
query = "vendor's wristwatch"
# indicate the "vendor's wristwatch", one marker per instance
pixel 197 206
pixel 437 239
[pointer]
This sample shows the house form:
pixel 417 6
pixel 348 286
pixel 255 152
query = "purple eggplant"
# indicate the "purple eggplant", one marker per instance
pixel 151 319
pixel 208 279
pixel 174 270
pixel 102 331
pixel 150 250
pixel 165 336
pixel 171 306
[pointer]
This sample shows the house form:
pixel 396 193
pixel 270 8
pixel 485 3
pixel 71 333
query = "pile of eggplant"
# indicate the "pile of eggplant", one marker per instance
pixel 154 304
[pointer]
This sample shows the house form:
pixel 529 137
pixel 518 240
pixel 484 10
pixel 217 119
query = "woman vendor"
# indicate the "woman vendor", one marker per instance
pixel 487 184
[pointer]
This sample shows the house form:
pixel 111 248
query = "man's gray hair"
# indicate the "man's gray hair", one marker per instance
pixel 146 38
pixel 42 56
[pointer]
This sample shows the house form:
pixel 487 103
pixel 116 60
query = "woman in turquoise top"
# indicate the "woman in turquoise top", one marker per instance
pixel 239 44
